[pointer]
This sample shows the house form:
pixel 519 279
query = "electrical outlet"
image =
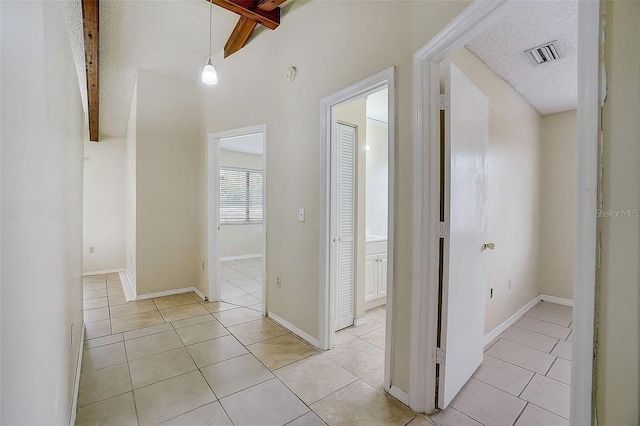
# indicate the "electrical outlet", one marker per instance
pixel 92 249
pixel 509 284
pixel 491 294
pixel 278 281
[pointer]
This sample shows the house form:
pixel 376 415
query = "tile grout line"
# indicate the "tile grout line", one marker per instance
pixel 133 395
pixel 520 414
pixel 249 353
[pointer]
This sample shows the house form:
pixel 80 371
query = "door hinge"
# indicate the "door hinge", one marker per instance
pixel 442 101
pixel 440 356
pixel 440 230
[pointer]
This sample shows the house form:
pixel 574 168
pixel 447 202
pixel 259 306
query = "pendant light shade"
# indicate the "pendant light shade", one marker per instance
pixel 209 74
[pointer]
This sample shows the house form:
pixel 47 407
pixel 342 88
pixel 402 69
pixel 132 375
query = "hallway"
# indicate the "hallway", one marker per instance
pixel 178 360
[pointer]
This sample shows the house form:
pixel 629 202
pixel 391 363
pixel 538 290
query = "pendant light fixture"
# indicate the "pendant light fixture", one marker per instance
pixel 209 74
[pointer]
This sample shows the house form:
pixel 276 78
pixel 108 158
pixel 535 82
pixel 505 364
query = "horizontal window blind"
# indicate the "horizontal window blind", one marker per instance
pixel 240 196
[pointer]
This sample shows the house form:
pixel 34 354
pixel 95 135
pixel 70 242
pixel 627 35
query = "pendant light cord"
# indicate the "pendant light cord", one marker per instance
pixel 210 25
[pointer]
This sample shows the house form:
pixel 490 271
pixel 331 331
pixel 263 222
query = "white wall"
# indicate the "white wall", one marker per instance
pixel 104 205
pixel 618 295
pixel 558 204
pixel 377 179
pixel 130 193
pixel 41 262
pixel 240 240
pixel 333 45
pixel 169 138
pixel 513 200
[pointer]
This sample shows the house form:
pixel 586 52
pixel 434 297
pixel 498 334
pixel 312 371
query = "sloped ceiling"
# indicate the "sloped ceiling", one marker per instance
pixel 168 37
pixel 248 144
pixel 550 87
pixel 165 37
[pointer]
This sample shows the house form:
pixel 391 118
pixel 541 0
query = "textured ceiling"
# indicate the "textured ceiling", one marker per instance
pixel 169 37
pixel 73 11
pixel 549 87
pixel 249 144
pixel 377 106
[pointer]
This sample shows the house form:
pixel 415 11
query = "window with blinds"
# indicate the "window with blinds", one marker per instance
pixel 240 196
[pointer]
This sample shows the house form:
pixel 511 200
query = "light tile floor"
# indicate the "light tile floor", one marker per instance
pixel 241 283
pixel 525 376
pixel 181 361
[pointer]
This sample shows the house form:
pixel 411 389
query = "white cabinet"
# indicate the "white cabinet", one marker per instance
pixel 375 271
pixel 382 275
pixel 370 277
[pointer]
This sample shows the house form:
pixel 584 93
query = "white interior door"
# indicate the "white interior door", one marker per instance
pixel 344 223
pixel 464 280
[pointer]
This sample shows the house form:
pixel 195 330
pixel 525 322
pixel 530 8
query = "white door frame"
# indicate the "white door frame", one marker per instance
pixel 471 22
pixel 385 78
pixel 213 210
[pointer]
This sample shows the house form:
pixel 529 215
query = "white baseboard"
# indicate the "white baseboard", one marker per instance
pixel 557 300
pixel 357 322
pixel 76 382
pixel 399 394
pixel 200 294
pixel 165 293
pixel 490 336
pixel 294 330
pixel 243 257
pixel 129 294
pixel 106 271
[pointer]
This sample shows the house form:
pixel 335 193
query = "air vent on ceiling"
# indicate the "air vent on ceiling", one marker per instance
pixel 545 53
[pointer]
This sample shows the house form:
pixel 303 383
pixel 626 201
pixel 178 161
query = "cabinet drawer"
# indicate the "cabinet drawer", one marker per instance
pixel 377 247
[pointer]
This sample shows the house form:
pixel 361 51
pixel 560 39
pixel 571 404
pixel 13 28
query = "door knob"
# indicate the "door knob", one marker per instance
pixel 488 245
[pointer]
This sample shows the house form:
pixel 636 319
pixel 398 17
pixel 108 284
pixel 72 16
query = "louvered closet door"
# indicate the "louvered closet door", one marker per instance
pixel 346 209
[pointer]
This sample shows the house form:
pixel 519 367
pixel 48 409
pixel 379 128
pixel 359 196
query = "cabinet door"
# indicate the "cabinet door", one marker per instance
pixel 371 277
pixel 382 275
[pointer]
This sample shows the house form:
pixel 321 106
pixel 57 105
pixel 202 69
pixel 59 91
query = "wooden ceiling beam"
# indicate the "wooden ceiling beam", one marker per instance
pixel 249 9
pixel 269 4
pixel 245 26
pixel 90 23
pixel 239 36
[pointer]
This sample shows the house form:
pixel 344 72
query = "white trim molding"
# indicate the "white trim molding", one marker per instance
pixel 556 300
pixel 490 336
pixel 200 294
pixel 105 271
pixel 165 293
pixel 471 22
pixel 243 257
pixel 76 381
pixel 399 394
pixel 129 294
pixel 589 157
pixel 357 322
pixel 295 330
pixel 327 301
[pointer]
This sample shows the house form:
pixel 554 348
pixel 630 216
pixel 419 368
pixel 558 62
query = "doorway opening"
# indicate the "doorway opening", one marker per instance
pixel 548 322
pixel 237 217
pixel 357 227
